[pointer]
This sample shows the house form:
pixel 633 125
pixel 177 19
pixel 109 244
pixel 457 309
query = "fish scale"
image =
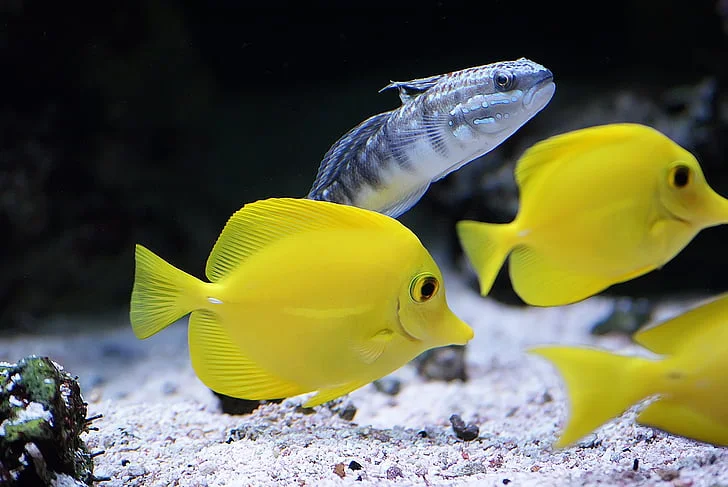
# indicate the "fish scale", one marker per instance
pixel 387 162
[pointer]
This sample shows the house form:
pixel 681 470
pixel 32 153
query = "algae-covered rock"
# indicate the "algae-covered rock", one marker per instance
pixel 42 416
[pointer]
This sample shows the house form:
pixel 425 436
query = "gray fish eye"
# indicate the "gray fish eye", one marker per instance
pixel 503 80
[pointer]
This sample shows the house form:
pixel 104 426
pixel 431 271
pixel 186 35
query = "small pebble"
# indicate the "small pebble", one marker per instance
pixel 340 470
pixel 667 474
pixel 169 388
pixel 465 432
pixel 393 472
pixel 506 481
pixel 354 465
pixel 348 412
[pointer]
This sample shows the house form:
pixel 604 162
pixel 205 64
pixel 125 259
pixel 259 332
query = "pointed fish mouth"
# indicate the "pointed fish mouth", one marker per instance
pixel 540 94
pixel 460 332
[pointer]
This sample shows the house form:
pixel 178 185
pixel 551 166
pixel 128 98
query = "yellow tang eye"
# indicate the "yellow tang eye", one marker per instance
pixel 424 287
pixel 680 176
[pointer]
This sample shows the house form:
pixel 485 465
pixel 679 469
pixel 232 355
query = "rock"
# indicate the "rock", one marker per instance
pixel 466 432
pixel 627 316
pixel 43 416
pixel 445 363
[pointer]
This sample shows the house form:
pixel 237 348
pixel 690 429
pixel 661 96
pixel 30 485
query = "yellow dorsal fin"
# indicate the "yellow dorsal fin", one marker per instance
pixel 680 419
pixel 561 148
pixel 222 367
pixel 263 222
pixel 665 338
pixel 540 282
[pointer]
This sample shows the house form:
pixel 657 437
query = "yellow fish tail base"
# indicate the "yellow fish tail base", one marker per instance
pixel 600 385
pixel 486 245
pixel 162 294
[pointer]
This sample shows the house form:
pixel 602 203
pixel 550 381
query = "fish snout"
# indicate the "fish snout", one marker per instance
pixel 456 331
pixel 716 209
pixel 541 92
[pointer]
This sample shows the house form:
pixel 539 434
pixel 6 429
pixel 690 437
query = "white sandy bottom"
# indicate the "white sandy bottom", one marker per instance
pixel 162 427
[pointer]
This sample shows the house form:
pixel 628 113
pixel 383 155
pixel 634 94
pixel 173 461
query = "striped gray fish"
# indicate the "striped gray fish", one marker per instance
pixel 387 162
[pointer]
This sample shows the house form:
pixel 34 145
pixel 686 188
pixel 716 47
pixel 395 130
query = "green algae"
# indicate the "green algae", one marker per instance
pixel 42 416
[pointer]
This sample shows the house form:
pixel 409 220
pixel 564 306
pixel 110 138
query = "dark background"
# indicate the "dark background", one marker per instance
pixel 153 121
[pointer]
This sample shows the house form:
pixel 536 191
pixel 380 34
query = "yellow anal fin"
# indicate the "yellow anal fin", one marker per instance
pixel 326 395
pixel 678 419
pixel 540 282
pixel 222 367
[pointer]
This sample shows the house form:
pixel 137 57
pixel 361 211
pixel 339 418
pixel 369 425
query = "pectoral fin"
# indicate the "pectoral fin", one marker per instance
pixel 371 348
pixel 396 208
pixel 675 418
pixel 222 367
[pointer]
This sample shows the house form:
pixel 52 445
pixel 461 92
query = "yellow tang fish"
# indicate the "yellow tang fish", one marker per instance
pixel 599 206
pixel 304 296
pixel 690 378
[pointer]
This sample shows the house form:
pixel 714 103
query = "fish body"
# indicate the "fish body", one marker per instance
pixel 303 296
pixel 688 375
pixel 388 161
pixel 599 206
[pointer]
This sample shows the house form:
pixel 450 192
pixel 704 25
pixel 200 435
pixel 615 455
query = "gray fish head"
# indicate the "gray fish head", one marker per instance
pixel 509 95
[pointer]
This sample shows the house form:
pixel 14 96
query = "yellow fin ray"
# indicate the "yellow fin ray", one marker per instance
pixel 257 225
pixel 162 294
pixel 542 283
pixel 680 420
pixel 370 349
pixel 222 367
pixel 571 144
pixel 326 395
pixel 667 337
pixel 600 386
pixel 486 245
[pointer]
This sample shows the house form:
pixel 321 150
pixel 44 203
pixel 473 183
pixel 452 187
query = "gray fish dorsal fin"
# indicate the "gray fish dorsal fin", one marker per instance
pixel 410 89
pixel 344 148
pixel 259 224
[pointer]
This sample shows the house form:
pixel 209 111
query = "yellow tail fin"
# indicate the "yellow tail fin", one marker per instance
pixel 601 386
pixel 486 245
pixel 162 294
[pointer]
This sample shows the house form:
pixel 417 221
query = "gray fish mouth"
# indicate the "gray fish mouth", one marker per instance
pixel 540 94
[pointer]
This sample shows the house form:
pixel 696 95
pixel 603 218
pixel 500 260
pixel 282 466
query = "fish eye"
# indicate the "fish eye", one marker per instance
pixel 424 287
pixel 680 176
pixel 503 80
